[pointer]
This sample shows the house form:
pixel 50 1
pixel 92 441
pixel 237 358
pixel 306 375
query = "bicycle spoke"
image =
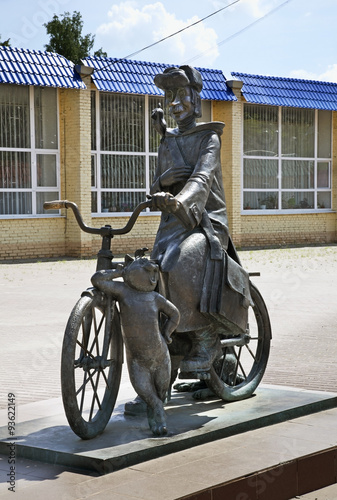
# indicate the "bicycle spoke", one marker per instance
pixel 82 388
pixel 85 382
pixel 106 380
pixel 83 393
pixel 97 329
pixel 250 352
pixel 88 377
pixel 85 336
pixel 91 378
pixel 84 349
pixel 238 364
pixel 95 395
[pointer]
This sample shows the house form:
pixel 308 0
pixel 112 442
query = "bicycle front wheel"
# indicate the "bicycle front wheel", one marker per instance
pixel 91 365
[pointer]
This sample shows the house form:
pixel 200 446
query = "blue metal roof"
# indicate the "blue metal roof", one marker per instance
pixel 136 77
pixel 289 92
pixel 32 67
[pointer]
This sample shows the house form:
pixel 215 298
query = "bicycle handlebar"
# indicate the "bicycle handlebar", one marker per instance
pixel 103 231
pixel 55 205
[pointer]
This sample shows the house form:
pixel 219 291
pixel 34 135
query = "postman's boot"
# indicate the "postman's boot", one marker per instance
pixel 206 348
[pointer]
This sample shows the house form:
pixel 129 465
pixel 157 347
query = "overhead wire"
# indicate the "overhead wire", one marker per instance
pixel 167 37
pixel 234 35
pixel 181 30
pixel 222 42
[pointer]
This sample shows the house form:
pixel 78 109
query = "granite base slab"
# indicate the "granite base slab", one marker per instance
pixel 43 433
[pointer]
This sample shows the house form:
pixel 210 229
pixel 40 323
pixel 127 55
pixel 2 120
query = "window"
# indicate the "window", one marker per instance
pixel 124 149
pixel 29 154
pixel 286 158
pixel 120 152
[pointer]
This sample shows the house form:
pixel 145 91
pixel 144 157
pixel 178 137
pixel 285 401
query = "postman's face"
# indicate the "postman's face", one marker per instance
pixel 179 102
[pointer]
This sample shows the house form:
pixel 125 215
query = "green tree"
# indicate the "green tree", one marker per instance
pixel 5 43
pixel 66 38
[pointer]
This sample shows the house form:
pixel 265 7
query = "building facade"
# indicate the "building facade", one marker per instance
pixel 288 161
pixel 86 135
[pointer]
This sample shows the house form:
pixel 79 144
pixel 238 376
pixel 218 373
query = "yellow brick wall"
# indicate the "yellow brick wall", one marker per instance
pixel 60 236
pixel 142 235
pixel 32 238
pixel 223 112
pixel 294 229
pixel 231 114
pixel 76 165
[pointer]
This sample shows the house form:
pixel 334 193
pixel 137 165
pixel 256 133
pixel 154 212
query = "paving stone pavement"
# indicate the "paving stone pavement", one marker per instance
pixel 299 286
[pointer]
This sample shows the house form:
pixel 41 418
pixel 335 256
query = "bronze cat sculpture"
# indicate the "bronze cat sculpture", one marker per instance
pixel 147 320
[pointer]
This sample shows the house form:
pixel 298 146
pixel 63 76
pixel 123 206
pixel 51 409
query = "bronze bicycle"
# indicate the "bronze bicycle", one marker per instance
pixel 92 351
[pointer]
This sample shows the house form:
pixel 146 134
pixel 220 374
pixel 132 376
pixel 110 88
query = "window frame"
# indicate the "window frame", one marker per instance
pixel 149 155
pixel 97 153
pixel 33 151
pixel 280 190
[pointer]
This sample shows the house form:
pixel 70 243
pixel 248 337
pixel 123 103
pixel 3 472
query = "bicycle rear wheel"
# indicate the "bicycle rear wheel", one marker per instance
pixel 90 382
pixel 240 369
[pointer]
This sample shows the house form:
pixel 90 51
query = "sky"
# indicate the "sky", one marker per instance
pixel 286 38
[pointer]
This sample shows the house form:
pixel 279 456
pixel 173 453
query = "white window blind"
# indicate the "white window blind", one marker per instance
pixel 29 156
pixel 124 149
pixel 286 159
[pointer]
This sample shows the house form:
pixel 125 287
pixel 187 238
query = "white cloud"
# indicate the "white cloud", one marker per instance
pixel 258 8
pixel 302 74
pixel 254 8
pixel 129 29
pixel 330 75
pixel 124 18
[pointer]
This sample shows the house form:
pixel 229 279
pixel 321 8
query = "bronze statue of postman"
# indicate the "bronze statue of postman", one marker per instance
pixel 200 272
pixel 193 247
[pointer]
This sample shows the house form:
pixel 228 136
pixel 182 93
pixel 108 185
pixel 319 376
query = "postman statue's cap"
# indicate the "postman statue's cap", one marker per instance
pixel 179 77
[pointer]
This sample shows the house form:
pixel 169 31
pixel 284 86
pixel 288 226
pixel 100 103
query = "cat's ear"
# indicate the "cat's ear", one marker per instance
pixel 128 259
pixel 140 252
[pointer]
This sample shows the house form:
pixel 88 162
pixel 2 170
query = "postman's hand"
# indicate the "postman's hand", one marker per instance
pixel 165 202
pixel 174 175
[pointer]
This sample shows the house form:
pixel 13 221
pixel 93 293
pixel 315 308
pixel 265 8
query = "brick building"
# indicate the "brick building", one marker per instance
pixel 85 134
pixel 287 161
